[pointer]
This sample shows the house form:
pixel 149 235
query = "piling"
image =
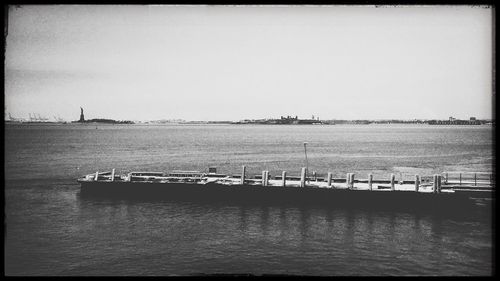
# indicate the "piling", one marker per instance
pixel 263 178
pixel 113 175
pixel 329 179
pixel 267 178
pixel 283 176
pixel 243 171
pixel 434 184
pixel 370 179
pixel 348 180
pixel 438 183
pixel 303 177
pixel 393 177
pixel 352 180
pixel 417 182
pixel 96 175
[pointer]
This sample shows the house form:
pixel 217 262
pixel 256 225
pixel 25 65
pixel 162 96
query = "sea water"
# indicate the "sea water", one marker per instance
pixel 51 230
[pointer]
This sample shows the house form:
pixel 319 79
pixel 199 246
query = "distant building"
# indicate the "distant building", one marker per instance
pixel 454 121
pixel 288 120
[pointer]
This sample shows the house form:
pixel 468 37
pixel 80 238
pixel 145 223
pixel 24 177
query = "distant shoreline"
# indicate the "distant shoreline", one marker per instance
pixel 236 124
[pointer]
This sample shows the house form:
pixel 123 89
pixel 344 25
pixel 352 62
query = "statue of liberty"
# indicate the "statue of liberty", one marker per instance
pixel 82 118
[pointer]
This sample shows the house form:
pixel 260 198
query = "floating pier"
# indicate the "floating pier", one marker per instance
pixel 436 193
pixel 439 182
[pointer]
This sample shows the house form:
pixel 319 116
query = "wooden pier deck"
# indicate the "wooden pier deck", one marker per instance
pixel 478 183
pixel 424 194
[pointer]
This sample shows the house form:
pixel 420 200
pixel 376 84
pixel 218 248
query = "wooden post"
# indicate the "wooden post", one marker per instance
pixel 393 177
pixel 434 184
pixel 113 175
pixel 348 180
pixel 438 184
pixel 283 175
pixel 96 176
pixel 267 178
pixel 475 179
pixel 243 171
pixel 370 179
pixel 417 182
pixel 303 177
pixel 263 178
pixel 460 179
pixel 329 179
pixel 352 180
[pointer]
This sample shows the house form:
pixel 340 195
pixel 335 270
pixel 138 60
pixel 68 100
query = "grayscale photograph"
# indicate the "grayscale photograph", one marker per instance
pixel 249 140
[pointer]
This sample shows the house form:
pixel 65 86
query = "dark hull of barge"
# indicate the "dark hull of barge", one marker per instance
pixel 254 194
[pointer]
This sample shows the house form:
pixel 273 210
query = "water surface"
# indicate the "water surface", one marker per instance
pixel 52 230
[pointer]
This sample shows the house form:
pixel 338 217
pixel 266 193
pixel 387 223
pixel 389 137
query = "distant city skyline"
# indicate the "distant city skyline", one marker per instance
pixel 249 62
pixel 38 118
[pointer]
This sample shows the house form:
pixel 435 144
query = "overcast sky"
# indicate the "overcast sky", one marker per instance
pixel 233 63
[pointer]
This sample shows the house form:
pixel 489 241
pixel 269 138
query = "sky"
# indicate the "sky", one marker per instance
pixel 249 62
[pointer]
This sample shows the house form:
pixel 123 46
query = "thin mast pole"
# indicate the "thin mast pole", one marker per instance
pixel 307 164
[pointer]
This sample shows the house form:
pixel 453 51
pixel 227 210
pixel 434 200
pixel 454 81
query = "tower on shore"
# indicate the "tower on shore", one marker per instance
pixel 82 118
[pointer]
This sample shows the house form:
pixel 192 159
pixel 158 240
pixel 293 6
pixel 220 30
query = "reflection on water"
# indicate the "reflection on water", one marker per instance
pixel 222 238
pixel 64 233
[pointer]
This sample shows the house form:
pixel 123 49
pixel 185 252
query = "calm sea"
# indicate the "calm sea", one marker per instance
pixel 52 230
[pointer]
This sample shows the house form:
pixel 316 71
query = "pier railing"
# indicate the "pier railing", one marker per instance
pixel 472 179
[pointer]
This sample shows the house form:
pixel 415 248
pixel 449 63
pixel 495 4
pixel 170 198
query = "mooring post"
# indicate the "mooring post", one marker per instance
pixel 417 182
pixel 263 178
pixel 370 179
pixel 113 175
pixel 303 177
pixel 283 176
pixel 347 180
pixel 393 177
pixel 329 179
pixel 96 175
pixel 475 179
pixel 267 178
pixel 243 171
pixel 438 183
pixel 352 180
pixel 460 179
pixel 434 183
